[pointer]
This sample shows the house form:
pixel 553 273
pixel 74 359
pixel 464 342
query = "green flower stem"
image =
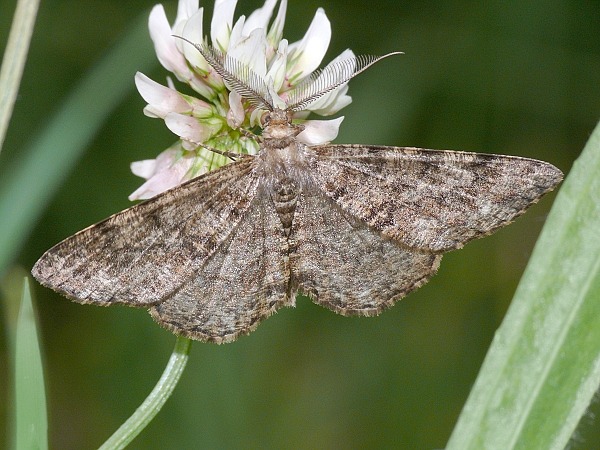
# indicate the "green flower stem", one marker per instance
pixel 154 402
pixel 14 60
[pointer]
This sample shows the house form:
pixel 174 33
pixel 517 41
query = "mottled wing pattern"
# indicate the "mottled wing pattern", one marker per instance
pixel 145 253
pixel 244 281
pixel 348 267
pixel 433 200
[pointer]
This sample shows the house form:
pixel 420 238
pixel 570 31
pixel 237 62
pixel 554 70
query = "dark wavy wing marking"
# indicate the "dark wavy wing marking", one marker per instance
pixel 141 255
pixel 345 266
pixel 430 199
pixel 244 281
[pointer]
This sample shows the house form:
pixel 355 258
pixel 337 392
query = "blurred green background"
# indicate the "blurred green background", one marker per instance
pixel 517 78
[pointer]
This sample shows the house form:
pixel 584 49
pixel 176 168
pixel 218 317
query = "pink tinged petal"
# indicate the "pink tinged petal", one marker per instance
pixel 164 44
pixel 236 113
pixel 318 132
pixel 164 160
pixel 276 71
pixel 260 17
pixel 306 55
pixel 278 102
pixel 189 146
pixel 340 102
pixel 144 169
pixel 204 81
pixel 200 109
pixel 161 100
pixel 251 52
pixel 301 115
pixel 188 128
pixel 236 36
pixel 193 33
pixel 221 24
pixel 185 10
pixel 149 112
pixel 331 102
pixel 207 86
pixel 168 174
pixel 276 30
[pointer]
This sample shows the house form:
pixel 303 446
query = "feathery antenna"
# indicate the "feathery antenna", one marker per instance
pixel 240 77
pixel 253 88
pixel 326 80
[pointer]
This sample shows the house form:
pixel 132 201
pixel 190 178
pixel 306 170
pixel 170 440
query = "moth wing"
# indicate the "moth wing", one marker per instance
pixel 348 267
pixel 142 255
pixel 245 280
pixel 436 200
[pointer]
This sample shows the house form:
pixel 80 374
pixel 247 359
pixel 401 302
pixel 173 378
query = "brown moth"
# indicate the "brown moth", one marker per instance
pixel 354 227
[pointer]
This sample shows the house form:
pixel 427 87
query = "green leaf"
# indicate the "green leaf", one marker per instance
pixel 30 398
pixel 543 367
pixel 47 161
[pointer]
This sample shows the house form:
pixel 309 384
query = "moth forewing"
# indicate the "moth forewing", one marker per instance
pixel 433 200
pixel 143 254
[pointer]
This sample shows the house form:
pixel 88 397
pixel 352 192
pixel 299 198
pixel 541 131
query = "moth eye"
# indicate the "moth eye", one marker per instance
pixel 265 119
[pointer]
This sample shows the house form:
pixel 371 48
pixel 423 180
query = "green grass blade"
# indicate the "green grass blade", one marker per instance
pixel 14 59
pixel 543 367
pixel 48 159
pixel 30 398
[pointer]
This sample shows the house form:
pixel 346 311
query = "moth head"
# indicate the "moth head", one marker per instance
pixel 276 117
pixel 277 124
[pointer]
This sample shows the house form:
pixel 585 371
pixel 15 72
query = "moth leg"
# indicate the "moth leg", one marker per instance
pixel 250 135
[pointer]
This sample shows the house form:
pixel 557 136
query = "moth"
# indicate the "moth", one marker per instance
pixel 353 227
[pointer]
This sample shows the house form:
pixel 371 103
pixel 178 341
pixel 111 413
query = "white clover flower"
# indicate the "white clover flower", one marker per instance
pixel 222 120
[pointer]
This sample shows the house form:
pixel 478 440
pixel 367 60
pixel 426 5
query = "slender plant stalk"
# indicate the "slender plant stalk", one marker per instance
pixel 154 402
pixel 14 60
